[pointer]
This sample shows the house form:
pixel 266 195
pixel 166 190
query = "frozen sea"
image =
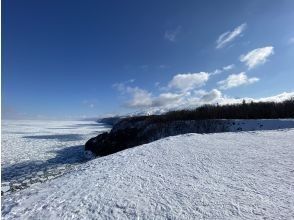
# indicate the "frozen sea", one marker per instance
pixel 36 151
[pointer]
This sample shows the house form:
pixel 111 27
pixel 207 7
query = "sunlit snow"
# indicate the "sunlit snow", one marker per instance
pixel 233 175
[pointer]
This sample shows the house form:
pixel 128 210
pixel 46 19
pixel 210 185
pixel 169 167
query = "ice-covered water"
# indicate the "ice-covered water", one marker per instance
pixel 35 151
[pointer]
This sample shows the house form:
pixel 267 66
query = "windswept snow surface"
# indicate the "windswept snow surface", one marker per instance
pixel 241 175
pixel 35 151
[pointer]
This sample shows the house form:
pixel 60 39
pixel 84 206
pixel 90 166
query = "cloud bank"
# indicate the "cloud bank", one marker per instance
pixel 148 103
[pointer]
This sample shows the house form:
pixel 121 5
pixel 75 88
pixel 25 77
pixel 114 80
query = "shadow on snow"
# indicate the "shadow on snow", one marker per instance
pixel 66 156
pixel 58 137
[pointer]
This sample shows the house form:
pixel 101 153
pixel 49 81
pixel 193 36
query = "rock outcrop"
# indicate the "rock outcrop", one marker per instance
pixel 129 133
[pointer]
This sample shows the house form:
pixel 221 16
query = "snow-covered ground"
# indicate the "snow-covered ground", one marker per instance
pixel 233 175
pixel 35 151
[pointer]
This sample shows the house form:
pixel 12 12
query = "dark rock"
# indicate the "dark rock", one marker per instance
pixel 127 133
pixel 108 143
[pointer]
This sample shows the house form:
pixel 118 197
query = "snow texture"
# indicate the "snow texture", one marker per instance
pixel 35 151
pixel 233 175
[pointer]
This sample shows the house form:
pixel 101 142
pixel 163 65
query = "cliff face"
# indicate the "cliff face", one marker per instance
pixel 129 133
pixel 136 130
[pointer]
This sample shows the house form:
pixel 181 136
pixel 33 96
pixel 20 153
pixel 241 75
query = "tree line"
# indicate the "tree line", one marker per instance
pixel 244 110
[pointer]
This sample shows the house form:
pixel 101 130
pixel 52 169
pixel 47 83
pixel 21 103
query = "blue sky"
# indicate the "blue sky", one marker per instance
pixel 72 59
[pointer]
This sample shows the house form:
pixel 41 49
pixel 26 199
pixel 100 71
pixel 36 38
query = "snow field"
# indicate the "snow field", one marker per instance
pixel 241 175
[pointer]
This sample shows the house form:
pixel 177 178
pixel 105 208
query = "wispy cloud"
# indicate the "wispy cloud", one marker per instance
pixel 171 35
pixel 225 68
pixel 90 103
pixel 227 37
pixel 228 67
pixel 122 86
pixel 291 40
pixel 163 66
pixel 144 67
pixel 235 80
pixel 216 72
pixel 257 56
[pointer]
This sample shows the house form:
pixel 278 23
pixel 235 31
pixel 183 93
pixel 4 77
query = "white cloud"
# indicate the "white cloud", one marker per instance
pixel 229 36
pixel 235 80
pixel 140 98
pixel 215 72
pixel 225 68
pixel 188 81
pixel 229 67
pixel 166 99
pixel 171 35
pixel 257 56
pixel 183 92
pixel 276 98
pixel 211 96
pixel 199 92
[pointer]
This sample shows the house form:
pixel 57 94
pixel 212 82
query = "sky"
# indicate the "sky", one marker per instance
pixel 85 58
